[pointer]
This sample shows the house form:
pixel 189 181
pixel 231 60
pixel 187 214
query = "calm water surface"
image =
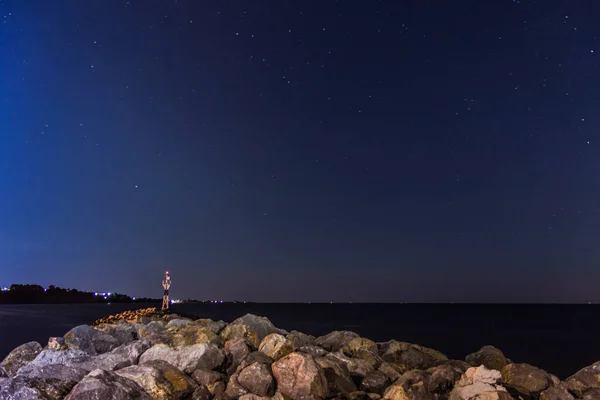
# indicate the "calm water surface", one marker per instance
pixel 558 338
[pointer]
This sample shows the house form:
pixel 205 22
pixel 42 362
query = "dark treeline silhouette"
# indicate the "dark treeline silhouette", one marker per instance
pixel 36 294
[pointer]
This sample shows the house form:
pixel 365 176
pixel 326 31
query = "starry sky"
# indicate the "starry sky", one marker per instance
pixel 302 151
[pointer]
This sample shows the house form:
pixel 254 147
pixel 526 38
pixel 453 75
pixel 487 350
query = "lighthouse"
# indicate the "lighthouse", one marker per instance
pixel 166 285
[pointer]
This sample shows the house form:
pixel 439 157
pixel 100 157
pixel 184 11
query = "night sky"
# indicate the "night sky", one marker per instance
pixel 302 151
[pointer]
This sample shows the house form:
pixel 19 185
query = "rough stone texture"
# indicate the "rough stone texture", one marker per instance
pixel 90 340
pixel 360 344
pixel 262 326
pixel 201 393
pixel 100 384
pixel 338 378
pixel 556 393
pixel 335 341
pixel 479 381
pixel 244 332
pixel 190 334
pixel 415 384
pixel 235 350
pixel 410 356
pixel 396 392
pixel 257 379
pixel 122 331
pixel 592 394
pixel 234 388
pixel 525 379
pixel 276 346
pixel 357 368
pixel 160 380
pixel 206 377
pixel 3 373
pixel 375 382
pixel 54 381
pixel 186 358
pixel 179 322
pixel 56 343
pixel 390 371
pixel 584 380
pixel 442 378
pixel 300 339
pixel 489 356
pixel 314 351
pixel 300 377
pixel 11 389
pixel 20 356
pixel 215 326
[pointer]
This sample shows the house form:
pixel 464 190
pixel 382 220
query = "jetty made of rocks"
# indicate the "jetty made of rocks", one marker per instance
pixel 147 354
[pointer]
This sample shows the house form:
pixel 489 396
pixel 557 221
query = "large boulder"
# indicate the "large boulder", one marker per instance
pixel 335 341
pixel 584 380
pixel 313 350
pixel 300 377
pixel 186 358
pixel 257 379
pixel 390 370
pixel 415 384
pixel 338 378
pixel 90 340
pixel 161 380
pixel 231 332
pixel 179 322
pixel 358 345
pixel 556 393
pixel 100 384
pixel 20 356
pixel 410 356
pixel 525 379
pixel 276 346
pixel 479 383
pixel 489 356
pixel 207 377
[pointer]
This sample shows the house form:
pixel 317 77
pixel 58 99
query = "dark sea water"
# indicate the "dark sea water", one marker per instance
pixel 558 338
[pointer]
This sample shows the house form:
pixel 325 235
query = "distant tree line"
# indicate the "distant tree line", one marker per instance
pixel 36 294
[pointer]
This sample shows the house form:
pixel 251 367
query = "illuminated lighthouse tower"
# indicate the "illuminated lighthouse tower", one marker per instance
pixel 166 285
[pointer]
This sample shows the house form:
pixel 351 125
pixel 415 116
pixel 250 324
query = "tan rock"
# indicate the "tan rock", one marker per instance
pixel 300 377
pixel 276 346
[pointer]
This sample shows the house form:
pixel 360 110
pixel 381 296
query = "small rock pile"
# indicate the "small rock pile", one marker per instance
pixel 148 355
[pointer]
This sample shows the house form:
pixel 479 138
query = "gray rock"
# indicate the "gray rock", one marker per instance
pixel 122 356
pixel 160 380
pixel 313 350
pixel 56 343
pixel 300 339
pixel 300 377
pixel 338 378
pixel 390 371
pixel 206 377
pixel 358 368
pixel 375 382
pixel 525 379
pixel 489 356
pixel 179 322
pixel 556 393
pixel 235 350
pixel 100 384
pixel 186 358
pixel 122 331
pixel 234 388
pixel 584 380
pixel 53 381
pixel 11 389
pixel 90 340
pixel 3 373
pixel 410 356
pixel 257 379
pixel 335 341
pixel 20 356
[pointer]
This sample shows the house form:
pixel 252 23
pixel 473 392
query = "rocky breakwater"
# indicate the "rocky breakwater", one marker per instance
pixel 149 355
